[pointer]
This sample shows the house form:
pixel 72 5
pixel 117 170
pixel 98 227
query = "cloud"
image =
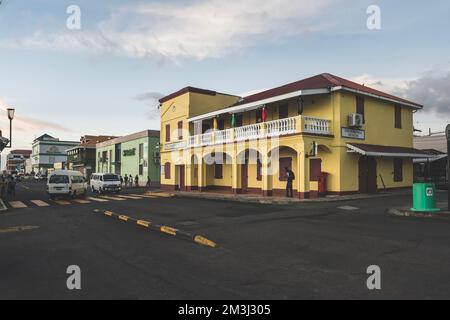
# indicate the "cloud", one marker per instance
pixel 190 29
pixel 152 100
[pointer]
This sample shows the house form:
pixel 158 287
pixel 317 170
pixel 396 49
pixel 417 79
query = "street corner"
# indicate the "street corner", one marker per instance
pixel 409 212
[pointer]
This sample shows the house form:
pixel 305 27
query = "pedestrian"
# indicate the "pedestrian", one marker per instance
pixel 121 181
pixel 3 186
pixel 290 178
pixel 149 182
pixel 11 189
pixel 136 181
pixel 126 180
pixel 131 181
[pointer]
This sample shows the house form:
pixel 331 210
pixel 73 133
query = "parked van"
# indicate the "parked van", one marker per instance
pixel 66 183
pixel 105 182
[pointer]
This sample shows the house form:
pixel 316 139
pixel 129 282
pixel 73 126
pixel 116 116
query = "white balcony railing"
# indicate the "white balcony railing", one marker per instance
pixel 270 129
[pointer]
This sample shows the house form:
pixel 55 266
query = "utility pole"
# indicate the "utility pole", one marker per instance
pixel 447 133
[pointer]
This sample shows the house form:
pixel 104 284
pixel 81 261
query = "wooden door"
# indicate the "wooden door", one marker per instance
pixel 367 175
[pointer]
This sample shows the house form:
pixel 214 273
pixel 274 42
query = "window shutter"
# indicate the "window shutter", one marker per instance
pixel 218 171
pixel 167 170
pixel 398 116
pixel 360 107
pixel 398 170
pixel 315 169
pixel 167 132
pixel 180 130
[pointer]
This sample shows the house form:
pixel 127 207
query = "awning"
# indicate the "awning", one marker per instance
pixel 386 151
pixel 431 159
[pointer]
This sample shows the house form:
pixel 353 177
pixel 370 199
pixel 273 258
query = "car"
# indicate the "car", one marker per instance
pixel 66 183
pixel 105 182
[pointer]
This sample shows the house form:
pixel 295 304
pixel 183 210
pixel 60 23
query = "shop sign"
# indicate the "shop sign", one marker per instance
pixel 353 133
pixel 129 152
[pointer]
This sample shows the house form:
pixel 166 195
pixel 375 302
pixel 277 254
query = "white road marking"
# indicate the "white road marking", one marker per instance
pixel 130 197
pixel 98 199
pixel 17 204
pixel 81 201
pixel 3 206
pixel 348 208
pixel 40 203
pixel 62 202
pixel 113 198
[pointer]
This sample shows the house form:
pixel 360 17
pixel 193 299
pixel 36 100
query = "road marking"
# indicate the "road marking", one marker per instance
pixel 40 203
pixel 143 196
pixel 143 223
pixel 129 197
pixel 98 199
pixel 18 229
pixel 205 242
pixel 62 202
pixel 169 230
pixel 162 195
pixel 124 218
pixel 17 204
pixel 113 198
pixel 348 208
pixel 81 201
pixel 108 213
pixel 3 206
pixel 25 187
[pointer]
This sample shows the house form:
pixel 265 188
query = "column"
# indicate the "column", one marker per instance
pixel 201 174
pixel 303 174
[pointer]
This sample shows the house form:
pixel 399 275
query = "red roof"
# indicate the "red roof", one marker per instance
pixel 321 81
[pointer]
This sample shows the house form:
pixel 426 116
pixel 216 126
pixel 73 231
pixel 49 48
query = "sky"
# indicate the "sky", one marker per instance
pixel 106 76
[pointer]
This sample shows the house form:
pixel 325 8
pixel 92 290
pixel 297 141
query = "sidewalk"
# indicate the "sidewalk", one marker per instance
pixel 251 198
pixel 407 212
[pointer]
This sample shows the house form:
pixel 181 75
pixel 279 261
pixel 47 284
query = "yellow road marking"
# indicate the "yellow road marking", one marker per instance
pixel 124 218
pixel 62 202
pixel 129 197
pixel 98 199
pixel 205 242
pixel 108 213
pixel 113 198
pixel 143 223
pixel 18 229
pixel 40 203
pixel 17 204
pixel 81 201
pixel 169 230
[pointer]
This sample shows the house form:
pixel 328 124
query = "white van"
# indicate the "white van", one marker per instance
pixel 105 182
pixel 66 183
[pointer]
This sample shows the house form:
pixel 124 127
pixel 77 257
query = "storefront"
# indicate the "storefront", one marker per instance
pixel 135 154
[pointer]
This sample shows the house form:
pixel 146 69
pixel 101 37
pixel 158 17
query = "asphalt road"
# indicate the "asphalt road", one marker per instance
pixel 304 251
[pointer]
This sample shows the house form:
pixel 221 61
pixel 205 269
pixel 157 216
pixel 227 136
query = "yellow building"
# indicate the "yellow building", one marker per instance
pixel 336 136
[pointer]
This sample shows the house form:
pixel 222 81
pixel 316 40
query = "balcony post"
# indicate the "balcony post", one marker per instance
pixel 300 123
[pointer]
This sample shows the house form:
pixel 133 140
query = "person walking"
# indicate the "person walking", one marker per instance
pixel 131 181
pixel 121 181
pixel 3 186
pixel 149 182
pixel 136 181
pixel 11 189
pixel 126 181
pixel 290 178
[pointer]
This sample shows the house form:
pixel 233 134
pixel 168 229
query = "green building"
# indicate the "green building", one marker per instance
pixel 135 154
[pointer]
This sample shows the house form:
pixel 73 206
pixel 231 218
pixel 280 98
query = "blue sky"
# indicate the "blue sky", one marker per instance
pixel 105 78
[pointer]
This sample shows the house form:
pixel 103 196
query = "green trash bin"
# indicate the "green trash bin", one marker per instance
pixel 424 197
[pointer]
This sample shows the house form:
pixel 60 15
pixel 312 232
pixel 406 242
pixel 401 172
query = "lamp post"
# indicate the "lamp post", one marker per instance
pixel 447 133
pixel 10 112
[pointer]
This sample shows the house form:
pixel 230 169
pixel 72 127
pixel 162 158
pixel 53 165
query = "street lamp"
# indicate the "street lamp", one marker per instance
pixel 10 112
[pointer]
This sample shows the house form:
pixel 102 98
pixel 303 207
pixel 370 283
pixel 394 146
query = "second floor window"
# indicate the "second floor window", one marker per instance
pixel 167 132
pixel 398 116
pixel 284 111
pixel 141 151
pixel 360 107
pixel 258 116
pixel 180 130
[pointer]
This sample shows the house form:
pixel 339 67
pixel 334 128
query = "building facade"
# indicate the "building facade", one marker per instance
pixel 135 154
pixel 15 160
pixel 47 151
pixel 338 137
pixel 82 158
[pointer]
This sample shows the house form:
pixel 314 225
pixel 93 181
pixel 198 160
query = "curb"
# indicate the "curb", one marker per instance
pixel 409 213
pixel 161 228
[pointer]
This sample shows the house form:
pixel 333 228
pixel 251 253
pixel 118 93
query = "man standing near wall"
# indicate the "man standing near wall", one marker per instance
pixel 290 179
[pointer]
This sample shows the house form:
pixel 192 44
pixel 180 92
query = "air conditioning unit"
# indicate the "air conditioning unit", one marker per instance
pixel 355 120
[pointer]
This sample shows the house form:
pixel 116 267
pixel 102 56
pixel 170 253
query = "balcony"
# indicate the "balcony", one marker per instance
pixel 271 129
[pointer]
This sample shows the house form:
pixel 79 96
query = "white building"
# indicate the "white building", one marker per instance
pixel 48 150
